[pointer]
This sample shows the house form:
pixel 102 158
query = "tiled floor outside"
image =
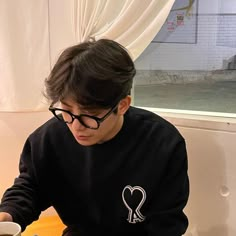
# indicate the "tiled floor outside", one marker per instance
pixel 203 96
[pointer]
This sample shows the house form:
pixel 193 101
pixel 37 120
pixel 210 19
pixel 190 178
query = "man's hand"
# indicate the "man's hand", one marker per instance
pixel 4 216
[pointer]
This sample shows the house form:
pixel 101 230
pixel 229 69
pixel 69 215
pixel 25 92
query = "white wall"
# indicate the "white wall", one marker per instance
pixel 227 6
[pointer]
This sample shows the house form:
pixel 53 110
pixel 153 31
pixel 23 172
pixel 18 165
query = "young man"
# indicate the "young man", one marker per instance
pixel 106 167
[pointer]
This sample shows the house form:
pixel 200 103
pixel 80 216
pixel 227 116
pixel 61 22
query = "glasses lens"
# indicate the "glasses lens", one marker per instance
pixel 89 122
pixel 85 120
pixel 64 116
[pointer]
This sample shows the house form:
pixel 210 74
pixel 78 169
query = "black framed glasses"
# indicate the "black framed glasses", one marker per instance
pixel 91 122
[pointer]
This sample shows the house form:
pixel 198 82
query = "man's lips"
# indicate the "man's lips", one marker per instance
pixel 82 137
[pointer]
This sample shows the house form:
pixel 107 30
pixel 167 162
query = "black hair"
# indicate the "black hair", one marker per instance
pixel 94 74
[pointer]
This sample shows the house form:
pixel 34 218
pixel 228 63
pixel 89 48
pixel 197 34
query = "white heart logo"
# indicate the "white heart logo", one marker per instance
pixel 133 198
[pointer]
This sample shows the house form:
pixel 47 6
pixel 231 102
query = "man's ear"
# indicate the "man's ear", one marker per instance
pixel 124 105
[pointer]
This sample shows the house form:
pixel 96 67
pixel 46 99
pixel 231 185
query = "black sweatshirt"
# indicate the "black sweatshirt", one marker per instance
pixel 133 184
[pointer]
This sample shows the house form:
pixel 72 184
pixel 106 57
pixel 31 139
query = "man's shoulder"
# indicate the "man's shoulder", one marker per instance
pixel 144 113
pixel 151 122
pixel 148 117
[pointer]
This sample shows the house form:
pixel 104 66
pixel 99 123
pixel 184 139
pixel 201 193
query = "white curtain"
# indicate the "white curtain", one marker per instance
pixel 34 33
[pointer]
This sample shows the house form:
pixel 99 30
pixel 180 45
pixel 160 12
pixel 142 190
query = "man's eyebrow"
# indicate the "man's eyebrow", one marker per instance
pixel 64 103
pixel 82 108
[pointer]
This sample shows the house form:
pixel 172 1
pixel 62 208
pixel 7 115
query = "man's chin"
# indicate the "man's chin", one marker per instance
pixel 85 141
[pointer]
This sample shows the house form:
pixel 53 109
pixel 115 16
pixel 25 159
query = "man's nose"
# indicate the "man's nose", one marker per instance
pixel 77 125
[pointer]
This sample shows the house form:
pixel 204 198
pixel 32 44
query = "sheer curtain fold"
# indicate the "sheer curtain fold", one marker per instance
pixel 137 24
pixel 88 14
pixel 34 33
pixel 24 54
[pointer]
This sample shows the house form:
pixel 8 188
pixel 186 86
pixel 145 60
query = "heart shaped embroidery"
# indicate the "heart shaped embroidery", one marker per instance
pixel 133 198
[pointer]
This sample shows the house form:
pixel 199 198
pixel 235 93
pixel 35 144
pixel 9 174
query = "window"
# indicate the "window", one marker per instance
pixel 191 63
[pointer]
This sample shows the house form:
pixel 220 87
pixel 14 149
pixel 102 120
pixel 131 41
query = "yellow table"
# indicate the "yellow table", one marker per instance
pixel 45 226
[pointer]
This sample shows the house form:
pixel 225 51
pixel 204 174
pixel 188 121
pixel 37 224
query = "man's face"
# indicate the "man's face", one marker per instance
pixel 107 129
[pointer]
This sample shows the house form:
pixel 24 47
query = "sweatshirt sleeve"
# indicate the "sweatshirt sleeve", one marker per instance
pixel 23 200
pixel 166 215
